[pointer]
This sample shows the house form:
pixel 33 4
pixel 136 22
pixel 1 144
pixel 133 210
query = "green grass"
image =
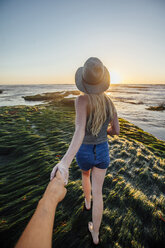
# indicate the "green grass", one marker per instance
pixel 32 141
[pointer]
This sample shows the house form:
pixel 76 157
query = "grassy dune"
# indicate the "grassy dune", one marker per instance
pixel 32 141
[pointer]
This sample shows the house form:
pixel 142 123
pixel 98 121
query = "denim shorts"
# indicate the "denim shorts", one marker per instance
pixel 96 155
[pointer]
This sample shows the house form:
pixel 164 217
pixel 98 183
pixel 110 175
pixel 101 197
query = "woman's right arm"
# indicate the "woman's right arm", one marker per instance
pixel 115 127
pixel 80 123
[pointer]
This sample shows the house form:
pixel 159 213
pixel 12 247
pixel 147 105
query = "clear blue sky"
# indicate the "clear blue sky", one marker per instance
pixel 46 41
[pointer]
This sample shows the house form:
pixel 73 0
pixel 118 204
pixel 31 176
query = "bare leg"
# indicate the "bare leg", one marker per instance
pixel 98 176
pixel 86 184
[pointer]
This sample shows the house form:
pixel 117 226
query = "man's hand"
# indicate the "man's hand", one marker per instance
pixel 55 189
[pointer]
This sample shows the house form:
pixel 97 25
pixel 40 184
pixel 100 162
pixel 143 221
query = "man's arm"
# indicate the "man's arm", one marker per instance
pixel 38 233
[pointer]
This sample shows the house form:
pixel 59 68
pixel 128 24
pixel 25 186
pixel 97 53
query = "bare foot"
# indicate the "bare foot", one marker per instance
pixel 95 236
pixel 87 205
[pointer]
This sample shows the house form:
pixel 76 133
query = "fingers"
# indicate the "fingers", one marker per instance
pixel 53 173
pixel 60 173
pixel 59 176
pixel 63 175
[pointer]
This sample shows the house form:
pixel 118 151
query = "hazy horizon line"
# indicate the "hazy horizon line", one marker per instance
pixel 1 84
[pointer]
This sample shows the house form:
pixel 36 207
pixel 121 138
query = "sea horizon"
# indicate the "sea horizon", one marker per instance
pixel 111 84
pixel 131 101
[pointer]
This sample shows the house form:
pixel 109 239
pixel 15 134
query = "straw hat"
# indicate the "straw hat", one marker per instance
pixel 93 77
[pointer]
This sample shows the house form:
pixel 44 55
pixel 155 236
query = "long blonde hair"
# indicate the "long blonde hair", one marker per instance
pixel 98 111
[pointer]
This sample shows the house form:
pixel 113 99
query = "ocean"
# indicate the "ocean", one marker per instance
pixel 131 101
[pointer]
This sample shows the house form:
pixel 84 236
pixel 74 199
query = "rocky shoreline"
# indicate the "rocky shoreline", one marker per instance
pixel 64 98
pixel 61 98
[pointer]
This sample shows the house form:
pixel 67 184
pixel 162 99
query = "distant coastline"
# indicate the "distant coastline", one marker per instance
pixel 111 84
pixel 134 103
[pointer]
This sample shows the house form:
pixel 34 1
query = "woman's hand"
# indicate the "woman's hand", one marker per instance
pixel 109 131
pixel 64 170
pixel 114 128
pixel 55 190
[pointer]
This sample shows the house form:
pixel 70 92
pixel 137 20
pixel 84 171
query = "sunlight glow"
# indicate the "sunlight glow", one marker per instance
pixel 115 77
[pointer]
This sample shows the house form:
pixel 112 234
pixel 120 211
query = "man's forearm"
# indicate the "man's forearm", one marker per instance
pixel 38 232
pixel 74 146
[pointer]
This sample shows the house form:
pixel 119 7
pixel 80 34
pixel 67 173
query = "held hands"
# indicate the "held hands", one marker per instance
pixel 61 166
pixel 55 190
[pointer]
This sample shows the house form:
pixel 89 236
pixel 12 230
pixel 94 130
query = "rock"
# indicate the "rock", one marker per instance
pixel 157 108
pixel 54 96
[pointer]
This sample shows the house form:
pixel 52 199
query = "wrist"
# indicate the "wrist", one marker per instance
pixel 67 161
pixel 48 201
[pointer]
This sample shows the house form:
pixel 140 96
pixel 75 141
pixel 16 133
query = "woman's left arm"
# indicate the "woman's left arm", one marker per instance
pixel 80 123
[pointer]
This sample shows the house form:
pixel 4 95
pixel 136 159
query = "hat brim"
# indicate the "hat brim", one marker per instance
pixel 89 88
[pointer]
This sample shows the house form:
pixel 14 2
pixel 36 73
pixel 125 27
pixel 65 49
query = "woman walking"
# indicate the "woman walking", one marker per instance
pixel 94 112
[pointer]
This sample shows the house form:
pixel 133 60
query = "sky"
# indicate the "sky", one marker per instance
pixel 45 41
